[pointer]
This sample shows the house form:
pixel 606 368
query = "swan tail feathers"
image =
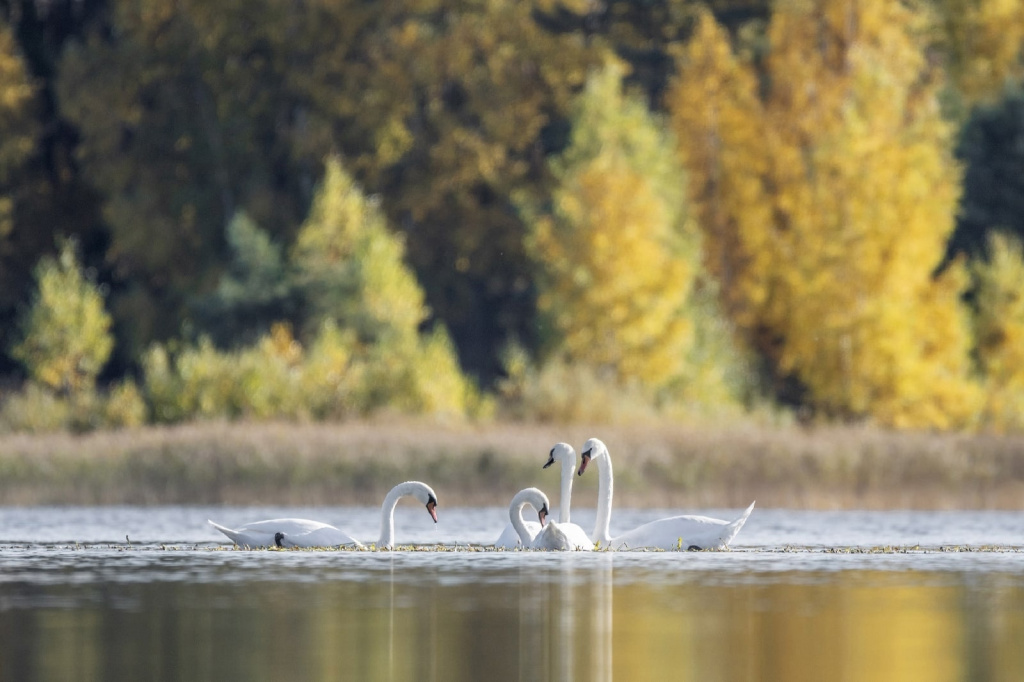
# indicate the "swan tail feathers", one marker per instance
pixel 733 528
pixel 232 535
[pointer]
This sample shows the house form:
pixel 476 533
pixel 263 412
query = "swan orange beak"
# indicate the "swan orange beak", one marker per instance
pixel 543 515
pixel 584 461
pixel 432 509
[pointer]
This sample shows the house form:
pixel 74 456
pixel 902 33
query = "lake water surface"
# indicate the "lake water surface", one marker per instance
pixel 128 593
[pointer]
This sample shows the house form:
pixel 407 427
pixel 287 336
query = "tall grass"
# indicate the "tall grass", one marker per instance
pixel 655 466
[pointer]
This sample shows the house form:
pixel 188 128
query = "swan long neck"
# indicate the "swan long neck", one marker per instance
pixel 387 513
pixel 604 498
pixel 515 515
pixel 528 496
pixel 565 498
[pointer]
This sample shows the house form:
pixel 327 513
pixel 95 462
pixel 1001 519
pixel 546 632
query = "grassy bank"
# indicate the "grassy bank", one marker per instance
pixel 676 467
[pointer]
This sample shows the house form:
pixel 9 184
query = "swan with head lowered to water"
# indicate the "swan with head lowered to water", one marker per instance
pixel 674 532
pixel 550 536
pixel 306 533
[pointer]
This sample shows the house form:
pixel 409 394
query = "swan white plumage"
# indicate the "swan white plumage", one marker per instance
pixel 305 533
pixel 564 453
pixel 550 536
pixel 674 532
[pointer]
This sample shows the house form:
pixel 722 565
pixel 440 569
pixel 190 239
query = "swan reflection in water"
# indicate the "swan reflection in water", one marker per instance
pixel 565 619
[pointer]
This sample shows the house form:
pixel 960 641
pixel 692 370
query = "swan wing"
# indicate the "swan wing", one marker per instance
pixel 246 538
pixel 682 532
pixel 509 539
pixel 296 533
pixel 577 537
pixel 551 537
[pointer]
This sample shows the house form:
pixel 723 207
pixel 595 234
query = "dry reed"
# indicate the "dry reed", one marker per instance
pixel 655 466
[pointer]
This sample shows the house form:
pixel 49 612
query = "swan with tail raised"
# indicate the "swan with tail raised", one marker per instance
pixel 306 533
pixel 674 532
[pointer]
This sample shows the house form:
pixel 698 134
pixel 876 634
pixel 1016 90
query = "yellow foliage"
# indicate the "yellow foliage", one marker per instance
pixel 617 254
pixel 984 39
pixel 18 129
pixel 66 333
pixel 826 205
pixel 999 331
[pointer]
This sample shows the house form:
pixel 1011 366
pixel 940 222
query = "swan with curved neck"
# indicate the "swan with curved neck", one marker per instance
pixel 550 535
pixel 674 532
pixel 564 453
pixel 306 533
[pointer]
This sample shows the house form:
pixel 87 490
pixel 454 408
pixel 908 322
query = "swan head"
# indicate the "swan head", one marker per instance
pixel 560 453
pixel 422 492
pixel 430 499
pixel 594 447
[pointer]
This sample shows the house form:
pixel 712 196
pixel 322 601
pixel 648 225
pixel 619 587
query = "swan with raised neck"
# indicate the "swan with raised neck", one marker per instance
pixel 595 450
pixel 674 532
pixel 564 453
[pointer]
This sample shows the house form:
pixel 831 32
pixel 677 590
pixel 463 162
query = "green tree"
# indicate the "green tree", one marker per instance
pixel 66 336
pixel 826 200
pixel 351 267
pixel 255 291
pixel 352 274
pixel 991 151
pixel 191 112
pixel 19 132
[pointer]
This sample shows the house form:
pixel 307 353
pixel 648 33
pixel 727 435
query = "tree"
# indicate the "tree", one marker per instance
pixel 351 272
pixel 191 112
pixel 991 148
pixel 618 256
pixel 255 291
pixel 826 200
pixel 66 336
pixel 351 267
pixel 999 330
pixel 982 41
pixel 466 104
pixel 19 133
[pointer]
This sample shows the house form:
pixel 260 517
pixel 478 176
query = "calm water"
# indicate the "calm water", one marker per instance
pixel 801 596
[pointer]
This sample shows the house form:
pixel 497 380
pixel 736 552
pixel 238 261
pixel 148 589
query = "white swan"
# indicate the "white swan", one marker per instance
pixel 563 452
pixel 550 536
pixel 509 538
pixel 304 533
pixel 674 532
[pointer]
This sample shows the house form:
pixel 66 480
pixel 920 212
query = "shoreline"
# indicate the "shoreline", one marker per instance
pixel 656 466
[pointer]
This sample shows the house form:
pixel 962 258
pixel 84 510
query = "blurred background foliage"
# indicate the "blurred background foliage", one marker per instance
pixel 554 210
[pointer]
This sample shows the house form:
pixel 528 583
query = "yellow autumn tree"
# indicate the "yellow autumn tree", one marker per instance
pixel 66 336
pixel 618 254
pixel 983 41
pixel 999 331
pixel 826 199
